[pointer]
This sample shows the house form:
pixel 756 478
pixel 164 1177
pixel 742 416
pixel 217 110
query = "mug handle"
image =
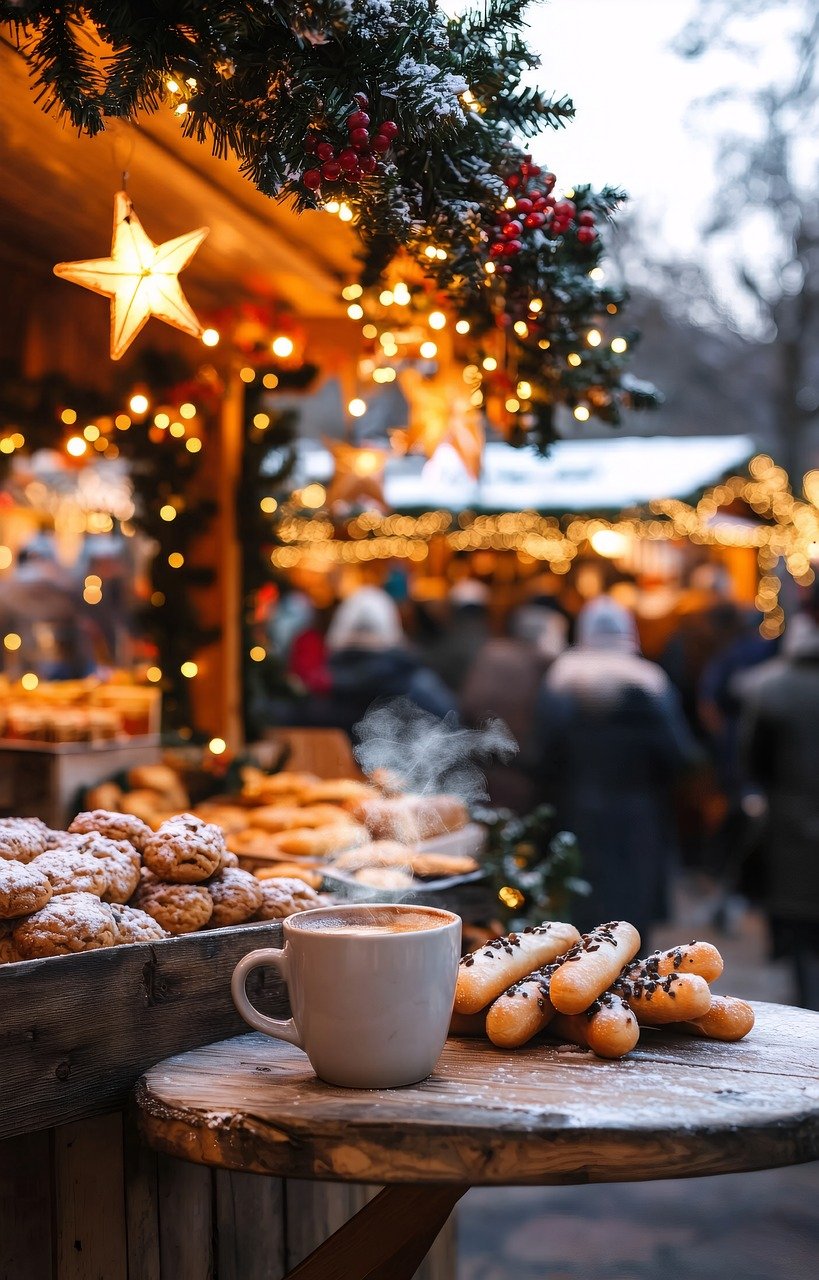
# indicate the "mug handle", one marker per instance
pixel 272 958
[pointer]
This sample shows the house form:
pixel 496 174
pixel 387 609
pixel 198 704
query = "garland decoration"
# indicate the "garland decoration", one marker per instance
pixel 405 119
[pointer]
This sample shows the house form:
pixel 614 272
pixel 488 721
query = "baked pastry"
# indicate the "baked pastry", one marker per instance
pixel 608 1027
pixel 379 853
pixel 692 957
pixel 318 842
pixel 162 779
pixel 253 843
pixel 144 804
pixel 411 818
pixel 229 859
pixel 522 1011
pixel 69 923
pixel 105 796
pixel 435 865
pixel 230 817
pixel 679 997
pixel 72 871
pixel 179 908
pixel 290 871
pixel 728 1018
pixel 21 839
pixel 385 878
pixel 236 895
pixel 119 857
pixel 184 850
pixel 485 974
pixel 281 898
pixel 23 889
pixel 592 966
pixel 263 788
pixel 275 817
pixel 338 791
pixel 8 952
pixel 116 826
pixel 133 925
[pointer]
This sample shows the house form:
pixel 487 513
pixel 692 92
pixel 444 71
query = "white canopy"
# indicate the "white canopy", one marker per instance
pixel 578 475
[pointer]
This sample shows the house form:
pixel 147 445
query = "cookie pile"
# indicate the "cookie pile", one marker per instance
pixel 111 880
pixel 591 990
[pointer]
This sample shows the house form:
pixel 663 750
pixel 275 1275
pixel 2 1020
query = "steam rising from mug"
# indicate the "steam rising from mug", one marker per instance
pixel 427 755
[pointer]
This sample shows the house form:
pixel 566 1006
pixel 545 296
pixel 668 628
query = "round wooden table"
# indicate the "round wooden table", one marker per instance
pixel 547 1114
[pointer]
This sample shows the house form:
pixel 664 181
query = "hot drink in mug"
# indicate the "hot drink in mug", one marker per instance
pixel 371 990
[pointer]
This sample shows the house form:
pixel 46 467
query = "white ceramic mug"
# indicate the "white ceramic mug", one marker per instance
pixel 371 990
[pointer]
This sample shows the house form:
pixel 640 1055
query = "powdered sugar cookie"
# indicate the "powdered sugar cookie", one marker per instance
pixel 22 889
pixel 69 923
pixel 184 850
pixel 236 895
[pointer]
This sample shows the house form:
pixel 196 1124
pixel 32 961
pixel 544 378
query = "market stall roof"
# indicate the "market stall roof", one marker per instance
pixel 578 475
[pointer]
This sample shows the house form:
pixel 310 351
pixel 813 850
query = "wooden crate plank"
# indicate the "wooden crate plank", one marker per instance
pixel 141 1206
pixel 250 1226
pixel 77 1031
pixel 185 1220
pixel 25 1208
pixel 89 1200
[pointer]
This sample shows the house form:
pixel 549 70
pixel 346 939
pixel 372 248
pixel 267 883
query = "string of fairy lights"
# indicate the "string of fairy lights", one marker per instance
pixel 788 533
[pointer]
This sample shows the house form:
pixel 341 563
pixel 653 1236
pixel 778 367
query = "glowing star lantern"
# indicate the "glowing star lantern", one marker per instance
pixel 358 479
pixel 140 278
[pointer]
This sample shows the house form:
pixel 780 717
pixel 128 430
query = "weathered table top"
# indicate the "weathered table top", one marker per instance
pixel 546 1114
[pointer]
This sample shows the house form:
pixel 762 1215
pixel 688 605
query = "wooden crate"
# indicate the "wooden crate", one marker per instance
pixel 76 1032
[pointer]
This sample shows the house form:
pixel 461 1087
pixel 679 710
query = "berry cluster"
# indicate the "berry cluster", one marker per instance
pixel 536 209
pixel 356 160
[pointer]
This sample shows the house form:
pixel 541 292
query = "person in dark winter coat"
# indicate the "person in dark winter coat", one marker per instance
pixel 369 660
pixel 779 734
pixel 610 738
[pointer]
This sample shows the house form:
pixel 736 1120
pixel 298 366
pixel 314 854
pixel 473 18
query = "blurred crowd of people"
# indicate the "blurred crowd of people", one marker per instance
pixel 702 758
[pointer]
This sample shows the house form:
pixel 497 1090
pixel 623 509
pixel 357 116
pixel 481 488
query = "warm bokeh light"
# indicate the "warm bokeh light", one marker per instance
pixel 157 598
pixel 69 417
pixel 594 337
pixel 574 359
pixel 351 291
pixel 5 557
pixel 154 674
pixel 428 350
pixel 490 364
pixel 370 331
pixel 162 421
pixel 247 374
pixel 581 413
pixel 385 297
pixel 187 410
pixel 217 746
pixel 462 326
pixel 257 653
pixel 176 559
pixel 138 403
pixel 401 294
pixel 270 381
pixel 189 670
pixel 167 512
pixel 313 495
pixel 355 311
pixel 29 681
pixel 210 337
pixel 193 445
pixel 619 345
pixel 436 319
pixel 609 543
pixel 76 446
pixel 12 641
pixel 177 429
pixel 122 422
pixel 268 505
pixel 261 421
pixel 357 408
pixel 524 390
pixel 283 347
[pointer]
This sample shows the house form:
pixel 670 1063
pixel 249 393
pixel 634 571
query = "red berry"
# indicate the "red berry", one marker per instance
pixel 311 141
pixel 331 170
pixel 362 100
pixel 358 120
pixel 502 217
pixel 367 164
pixel 534 170
pixel 511 248
pixel 549 180
pixel 348 159
pixel 497 249
pixel 352 175
pixel 524 205
pixel 359 138
pixel 380 144
pixel 513 181
pixel 586 235
pixel 312 178
pixel 325 151
pixel 512 229
pixel 550 202
pixel 586 218
pixel 389 129
pixel 534 219
pixel 559 226
pixel 565 209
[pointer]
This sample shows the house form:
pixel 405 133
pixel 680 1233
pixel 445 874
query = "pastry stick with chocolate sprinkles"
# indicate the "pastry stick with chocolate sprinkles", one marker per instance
pixel 522 1011
pixel 690 957
pixel 678 997
pixel 608 1027
pixel 488 972
pixel 590 968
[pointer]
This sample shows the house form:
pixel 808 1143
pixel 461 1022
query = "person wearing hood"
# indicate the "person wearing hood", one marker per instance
pixel 610 738
pixel 779 736
pixel 369 660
